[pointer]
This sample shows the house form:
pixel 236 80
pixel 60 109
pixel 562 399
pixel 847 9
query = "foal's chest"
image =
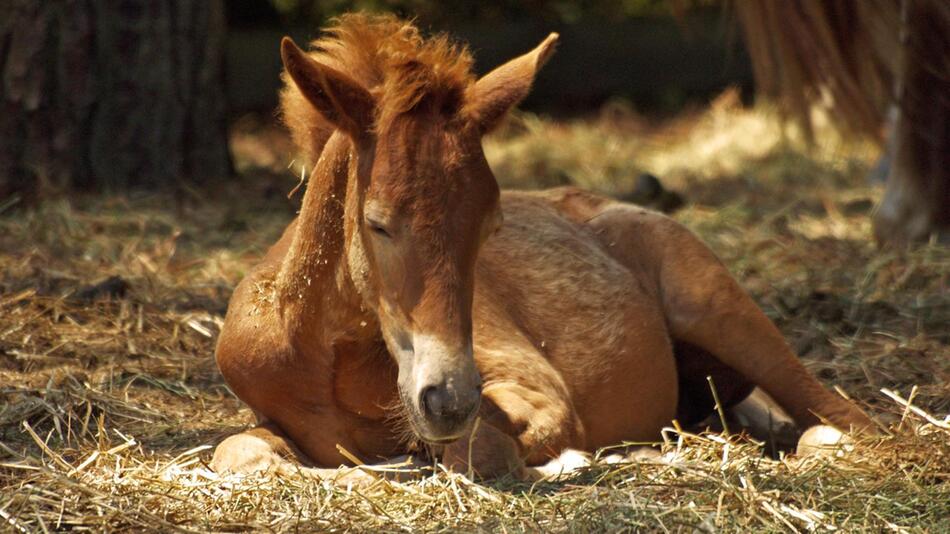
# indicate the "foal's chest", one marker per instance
pixel 364 379
pixel 364 388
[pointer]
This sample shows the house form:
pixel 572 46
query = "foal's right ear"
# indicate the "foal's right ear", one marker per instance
pixel 337 97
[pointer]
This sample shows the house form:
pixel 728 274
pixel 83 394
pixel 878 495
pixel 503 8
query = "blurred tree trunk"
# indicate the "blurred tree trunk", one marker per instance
pixel 109 94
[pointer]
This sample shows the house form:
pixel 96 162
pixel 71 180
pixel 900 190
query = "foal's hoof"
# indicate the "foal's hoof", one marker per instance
pixel 567 463
pixel 245 454
pixel 824 440
pixel 343 478
pixel 248 454
pixel 632 454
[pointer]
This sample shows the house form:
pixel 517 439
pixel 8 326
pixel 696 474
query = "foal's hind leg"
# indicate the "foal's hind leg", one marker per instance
pixel 704 306
pixel 746 408
pixel 762 418
pixel 696 402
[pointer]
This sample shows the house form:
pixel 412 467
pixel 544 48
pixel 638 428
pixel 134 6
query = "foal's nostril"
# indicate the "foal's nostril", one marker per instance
pixel 433 403
pixel 438 402
pixel 447 410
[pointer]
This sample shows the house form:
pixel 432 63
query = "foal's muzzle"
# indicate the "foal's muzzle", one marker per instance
pixel 445 388
pixel 448 410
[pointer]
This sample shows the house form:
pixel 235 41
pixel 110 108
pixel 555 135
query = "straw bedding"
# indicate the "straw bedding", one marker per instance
pixel 110 402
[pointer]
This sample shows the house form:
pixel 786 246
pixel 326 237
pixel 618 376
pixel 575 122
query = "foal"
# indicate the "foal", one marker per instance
pixel 400 304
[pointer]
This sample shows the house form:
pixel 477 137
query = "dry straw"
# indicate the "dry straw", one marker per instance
pixel 110 404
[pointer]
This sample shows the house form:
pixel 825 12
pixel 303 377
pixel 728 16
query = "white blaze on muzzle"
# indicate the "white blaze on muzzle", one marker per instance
pixel 446 383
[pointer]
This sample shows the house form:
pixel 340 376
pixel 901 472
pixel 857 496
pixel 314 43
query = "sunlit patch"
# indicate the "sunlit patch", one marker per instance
pixel 607 154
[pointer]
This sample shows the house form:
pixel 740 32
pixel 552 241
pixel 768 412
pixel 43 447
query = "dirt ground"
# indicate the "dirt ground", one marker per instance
pixel 110 402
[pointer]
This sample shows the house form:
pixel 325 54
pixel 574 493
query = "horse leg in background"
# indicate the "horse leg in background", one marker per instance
pixel 916 196
pixel 705 307
pixel 916 200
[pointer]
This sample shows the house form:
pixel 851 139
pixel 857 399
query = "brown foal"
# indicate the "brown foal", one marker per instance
pixel 401 305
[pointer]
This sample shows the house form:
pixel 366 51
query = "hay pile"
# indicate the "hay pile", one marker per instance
pixel 110 401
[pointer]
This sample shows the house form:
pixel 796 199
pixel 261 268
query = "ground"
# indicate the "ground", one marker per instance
pixel 110 402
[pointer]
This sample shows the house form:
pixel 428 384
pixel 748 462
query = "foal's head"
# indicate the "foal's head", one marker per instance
pixel 427 201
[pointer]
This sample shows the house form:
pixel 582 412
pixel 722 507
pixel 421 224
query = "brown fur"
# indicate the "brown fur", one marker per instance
pixel 400 284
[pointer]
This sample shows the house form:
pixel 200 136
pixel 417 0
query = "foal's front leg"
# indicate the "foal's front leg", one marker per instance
pixel 523 425
pixel 265 449
pixel 485 452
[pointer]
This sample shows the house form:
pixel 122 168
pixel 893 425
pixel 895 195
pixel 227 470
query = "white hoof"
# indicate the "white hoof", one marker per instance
pixel 639 454
pixel 245 454
pixel 569 461
pixel 824 440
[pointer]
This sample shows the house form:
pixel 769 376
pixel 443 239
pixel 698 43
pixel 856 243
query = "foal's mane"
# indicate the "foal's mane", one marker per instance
pixel 390 58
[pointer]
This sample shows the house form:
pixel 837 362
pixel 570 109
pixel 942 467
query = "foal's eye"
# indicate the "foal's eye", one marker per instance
pixel 377 228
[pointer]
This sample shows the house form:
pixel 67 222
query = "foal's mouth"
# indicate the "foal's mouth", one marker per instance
pixel 409 424
pixel 440 441
pixel 418 425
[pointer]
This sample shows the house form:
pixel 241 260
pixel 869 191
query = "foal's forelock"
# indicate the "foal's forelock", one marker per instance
pixel 390 59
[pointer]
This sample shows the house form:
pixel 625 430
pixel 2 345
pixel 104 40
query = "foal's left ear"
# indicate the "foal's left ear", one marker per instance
pixel 501 89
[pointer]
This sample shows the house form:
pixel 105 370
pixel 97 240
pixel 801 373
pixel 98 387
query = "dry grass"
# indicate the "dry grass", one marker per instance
pixel 109 407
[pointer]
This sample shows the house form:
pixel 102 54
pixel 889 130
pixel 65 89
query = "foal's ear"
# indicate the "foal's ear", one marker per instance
pixel 337 97
pixel 501 89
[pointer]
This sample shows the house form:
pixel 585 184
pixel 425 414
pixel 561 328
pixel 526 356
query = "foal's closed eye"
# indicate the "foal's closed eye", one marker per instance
pixel 377 228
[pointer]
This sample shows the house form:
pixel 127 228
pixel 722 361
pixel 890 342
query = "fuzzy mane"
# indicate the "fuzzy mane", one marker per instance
pixel 388 57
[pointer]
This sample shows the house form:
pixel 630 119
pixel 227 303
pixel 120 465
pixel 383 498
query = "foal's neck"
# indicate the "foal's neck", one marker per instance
pixel 312 295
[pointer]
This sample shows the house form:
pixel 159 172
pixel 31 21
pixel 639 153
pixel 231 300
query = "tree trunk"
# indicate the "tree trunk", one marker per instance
pixel 110 94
